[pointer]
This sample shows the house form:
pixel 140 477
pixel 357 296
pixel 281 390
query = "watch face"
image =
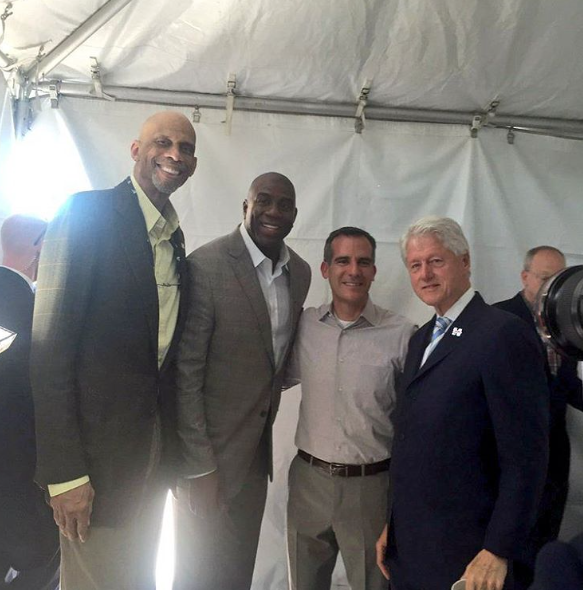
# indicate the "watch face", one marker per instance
pixel 559 312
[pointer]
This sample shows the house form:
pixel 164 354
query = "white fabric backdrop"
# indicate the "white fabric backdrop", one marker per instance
pixel 507 197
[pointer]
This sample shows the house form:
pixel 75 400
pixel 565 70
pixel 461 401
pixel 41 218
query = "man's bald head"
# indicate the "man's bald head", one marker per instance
pixel 273 178
pixel 269 212
pixel 22 237
pixel 167 119
pixel 164 155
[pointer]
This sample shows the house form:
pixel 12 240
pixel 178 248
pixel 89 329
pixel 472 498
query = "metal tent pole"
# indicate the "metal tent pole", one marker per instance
pixel 76 38
pixel 346 110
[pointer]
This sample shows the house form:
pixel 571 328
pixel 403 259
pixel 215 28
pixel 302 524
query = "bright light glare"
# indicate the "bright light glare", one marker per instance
pixel 165 561
pixel 42 170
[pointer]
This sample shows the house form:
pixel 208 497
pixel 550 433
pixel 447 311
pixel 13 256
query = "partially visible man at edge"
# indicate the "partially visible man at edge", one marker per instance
pixel 471 446
pixel 29 539
pixel 108 315
pixel 246 294
pixel 540 264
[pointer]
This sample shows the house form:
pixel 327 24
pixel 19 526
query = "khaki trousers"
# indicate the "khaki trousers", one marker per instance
pixel 121 557
pixel 328 514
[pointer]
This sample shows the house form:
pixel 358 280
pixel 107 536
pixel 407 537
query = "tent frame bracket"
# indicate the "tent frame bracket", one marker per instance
pixel 359 121
pixel 96 79
pixel 231 85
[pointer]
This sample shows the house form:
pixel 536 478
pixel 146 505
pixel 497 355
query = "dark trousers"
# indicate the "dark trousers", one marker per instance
pixel 219 553
pixel 45 577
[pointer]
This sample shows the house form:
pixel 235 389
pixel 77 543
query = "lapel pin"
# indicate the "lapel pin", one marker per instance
pixel 456 332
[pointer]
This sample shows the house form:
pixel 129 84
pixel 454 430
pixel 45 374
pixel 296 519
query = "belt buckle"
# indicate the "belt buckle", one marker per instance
pixel 338 469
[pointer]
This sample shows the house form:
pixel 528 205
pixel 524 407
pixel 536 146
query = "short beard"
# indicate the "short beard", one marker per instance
pixel 168 187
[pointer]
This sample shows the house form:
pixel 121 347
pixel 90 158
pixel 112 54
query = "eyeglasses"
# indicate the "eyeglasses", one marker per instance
pixel 541 278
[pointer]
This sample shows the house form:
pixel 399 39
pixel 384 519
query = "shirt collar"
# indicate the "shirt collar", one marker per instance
pixel 257 256
pixel 369 313
pixel 166 223
pixel 456 309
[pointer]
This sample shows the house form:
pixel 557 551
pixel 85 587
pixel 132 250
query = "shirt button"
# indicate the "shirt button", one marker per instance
pixel 340 389
pixel 341 360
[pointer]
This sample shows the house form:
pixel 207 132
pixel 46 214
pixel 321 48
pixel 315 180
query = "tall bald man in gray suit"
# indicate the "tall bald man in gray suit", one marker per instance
pixel 108 313
pixel 247 292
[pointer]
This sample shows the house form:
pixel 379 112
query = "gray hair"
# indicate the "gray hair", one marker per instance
pixel 534 251
pixel 445 229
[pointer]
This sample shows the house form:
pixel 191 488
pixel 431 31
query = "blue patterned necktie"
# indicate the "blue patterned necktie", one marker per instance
pixel 441 325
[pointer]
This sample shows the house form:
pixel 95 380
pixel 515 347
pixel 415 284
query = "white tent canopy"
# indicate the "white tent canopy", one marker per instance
pixel 456 56
pixel 444 61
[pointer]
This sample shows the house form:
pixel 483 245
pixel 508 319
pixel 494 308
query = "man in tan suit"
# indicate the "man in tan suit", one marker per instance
pixel 247 292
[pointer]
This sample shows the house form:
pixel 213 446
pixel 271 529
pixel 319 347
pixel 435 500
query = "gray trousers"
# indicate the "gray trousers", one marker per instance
pixel 329 514
pixel 219 553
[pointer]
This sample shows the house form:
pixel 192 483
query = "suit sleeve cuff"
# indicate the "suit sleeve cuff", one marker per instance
pixel 199 474
pixel 60 488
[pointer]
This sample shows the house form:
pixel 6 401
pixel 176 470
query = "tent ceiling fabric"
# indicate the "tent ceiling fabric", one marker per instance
pixel 448 55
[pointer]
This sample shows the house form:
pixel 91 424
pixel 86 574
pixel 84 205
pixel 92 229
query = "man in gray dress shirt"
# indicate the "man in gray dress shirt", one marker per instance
pixel 348 356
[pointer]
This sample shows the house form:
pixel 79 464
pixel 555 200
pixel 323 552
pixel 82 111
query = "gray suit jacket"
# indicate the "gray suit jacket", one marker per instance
pixel 96 384
pixel 228 387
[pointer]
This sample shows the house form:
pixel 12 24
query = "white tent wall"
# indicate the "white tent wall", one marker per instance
pixel 6 141
pixel 507 197
pixel 450 54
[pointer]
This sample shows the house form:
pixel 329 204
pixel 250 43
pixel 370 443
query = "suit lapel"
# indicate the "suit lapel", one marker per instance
pixel 416 349
pixel 247 276
pixel 297 288
pixel 460 329
pixel 134 237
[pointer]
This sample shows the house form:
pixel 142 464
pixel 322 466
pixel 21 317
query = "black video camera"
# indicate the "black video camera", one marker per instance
pixel 559 311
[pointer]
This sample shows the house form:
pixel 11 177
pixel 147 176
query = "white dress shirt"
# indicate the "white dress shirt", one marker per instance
pixel 275 287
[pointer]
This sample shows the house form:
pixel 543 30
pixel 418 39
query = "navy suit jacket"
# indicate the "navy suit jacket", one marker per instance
pixel 470 453
pixel 28 535
pixel 559 566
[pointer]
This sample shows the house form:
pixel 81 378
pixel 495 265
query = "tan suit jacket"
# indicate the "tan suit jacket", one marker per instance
pixel 228 385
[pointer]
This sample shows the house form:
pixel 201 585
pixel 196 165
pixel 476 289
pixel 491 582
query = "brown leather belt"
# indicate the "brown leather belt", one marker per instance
pixel 342 470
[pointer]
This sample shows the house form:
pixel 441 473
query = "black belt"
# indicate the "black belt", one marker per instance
pixel 342 470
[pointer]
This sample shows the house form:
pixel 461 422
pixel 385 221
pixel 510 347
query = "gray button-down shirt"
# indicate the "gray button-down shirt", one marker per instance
pixel 348 379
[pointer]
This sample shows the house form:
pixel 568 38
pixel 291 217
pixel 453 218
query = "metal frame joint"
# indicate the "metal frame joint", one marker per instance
pixel 230 107
pixel 97 89
pixel 361 105
pixel 54 93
